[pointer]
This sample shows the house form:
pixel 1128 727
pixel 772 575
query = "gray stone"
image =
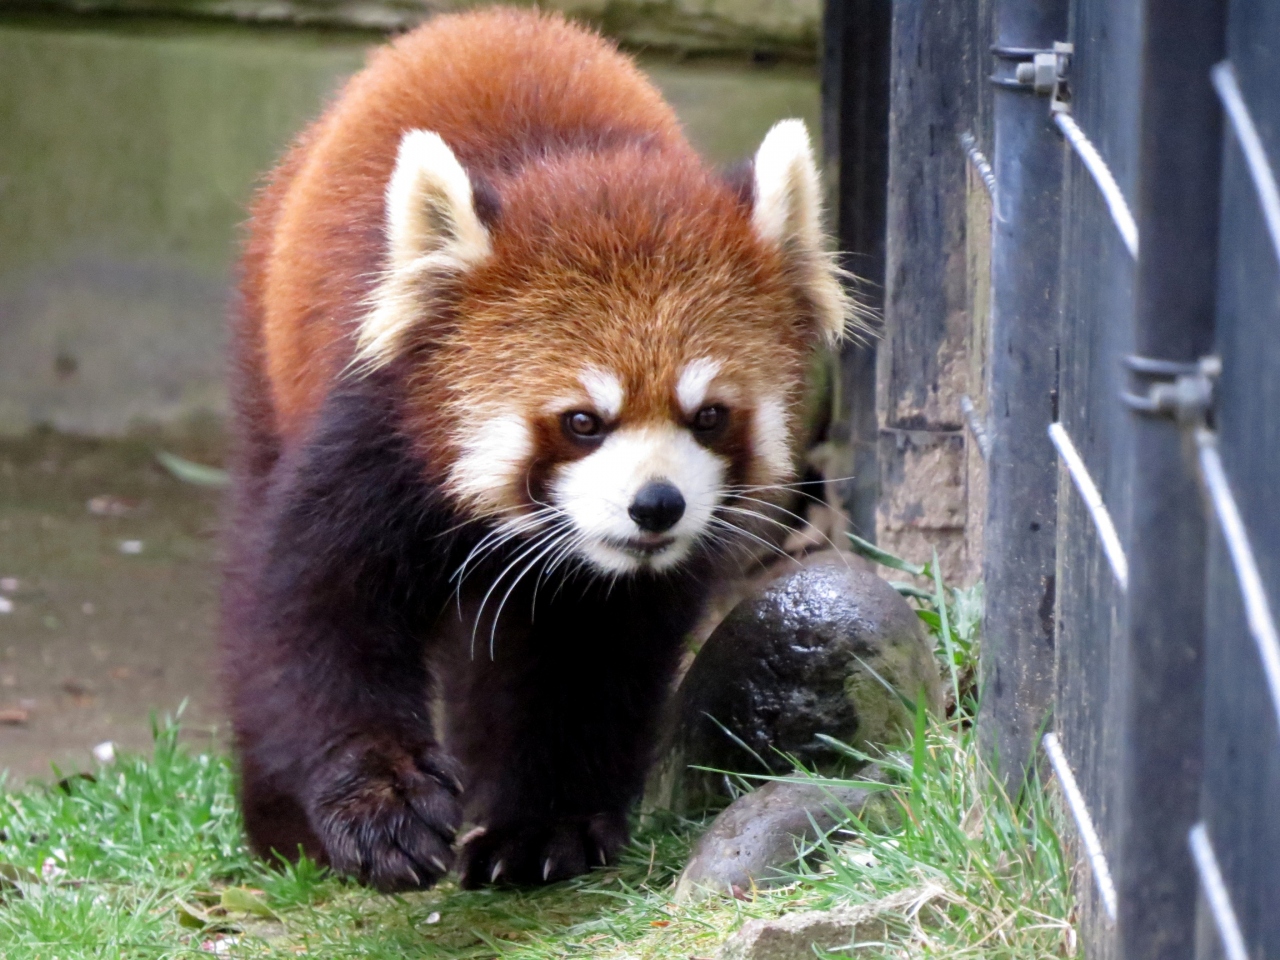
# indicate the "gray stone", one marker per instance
pixel 796 935
pixel 763 831
pixel 804 658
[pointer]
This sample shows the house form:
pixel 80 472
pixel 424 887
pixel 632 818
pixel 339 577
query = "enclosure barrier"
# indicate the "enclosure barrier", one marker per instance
pixel 1113 166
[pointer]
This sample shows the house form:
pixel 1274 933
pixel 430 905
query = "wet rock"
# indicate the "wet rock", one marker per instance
pixel 804 658
pixel 796 935
pixel 763 831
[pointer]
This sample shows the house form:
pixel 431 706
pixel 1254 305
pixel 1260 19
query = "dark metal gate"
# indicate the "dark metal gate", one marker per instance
pixel 1121 291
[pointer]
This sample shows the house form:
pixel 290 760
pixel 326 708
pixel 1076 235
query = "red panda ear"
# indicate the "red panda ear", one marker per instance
pixel 787 211
pixel 432 230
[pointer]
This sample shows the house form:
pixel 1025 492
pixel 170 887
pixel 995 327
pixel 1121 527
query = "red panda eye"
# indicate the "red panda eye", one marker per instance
pixel 582 425
pixel 708 418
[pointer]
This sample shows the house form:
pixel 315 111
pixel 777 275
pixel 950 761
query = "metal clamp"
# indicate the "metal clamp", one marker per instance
pixel 1042 72
pixel 1182 392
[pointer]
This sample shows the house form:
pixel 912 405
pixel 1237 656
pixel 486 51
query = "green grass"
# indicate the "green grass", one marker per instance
pixel 146 860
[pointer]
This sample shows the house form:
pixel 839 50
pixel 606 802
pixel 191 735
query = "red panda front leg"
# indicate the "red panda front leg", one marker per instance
pixel 325 656
pixel 556 728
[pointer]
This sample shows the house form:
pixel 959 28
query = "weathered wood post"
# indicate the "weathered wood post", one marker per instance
pixel 855 140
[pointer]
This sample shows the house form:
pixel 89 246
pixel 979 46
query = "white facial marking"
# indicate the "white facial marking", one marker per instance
pixel 604 389
pixel 492 459
pixel 691 388
pixel 597 491
pixel 771 435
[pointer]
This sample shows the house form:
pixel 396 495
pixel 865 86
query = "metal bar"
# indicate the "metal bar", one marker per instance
pixel 1121 215
pixel 1088 490
pixel 1161 743
pixel 1255 154
pixel 976 426
pixel 1257 607
pixel 981 166
pixel 1020 532
pixel 1215 892
pixel 1084 823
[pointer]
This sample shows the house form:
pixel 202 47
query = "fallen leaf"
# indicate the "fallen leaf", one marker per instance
pixel 66 783
pixel 11 875
pixel 189 471
pixel 190 915
pixel 8 584
pixel 659 923
pixel 77 688
pixel 244 900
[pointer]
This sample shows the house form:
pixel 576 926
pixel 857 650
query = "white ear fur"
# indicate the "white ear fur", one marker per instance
pixel 432 229
pixel 787 211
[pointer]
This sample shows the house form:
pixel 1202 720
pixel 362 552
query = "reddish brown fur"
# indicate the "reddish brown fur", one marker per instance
pixel 498 86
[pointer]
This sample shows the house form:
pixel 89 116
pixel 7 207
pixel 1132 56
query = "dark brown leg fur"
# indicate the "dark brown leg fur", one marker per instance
pixel 334 577
pixel 338 598
pixel 555 730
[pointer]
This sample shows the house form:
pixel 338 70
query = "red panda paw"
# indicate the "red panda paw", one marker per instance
pixel 387 815
pixel 536 852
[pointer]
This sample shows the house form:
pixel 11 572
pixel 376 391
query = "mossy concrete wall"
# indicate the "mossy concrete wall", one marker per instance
pixel 128 151
pixel 787 28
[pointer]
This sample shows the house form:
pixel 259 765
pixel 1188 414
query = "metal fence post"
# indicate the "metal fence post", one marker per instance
pixel 1018 565
pixel 1179 163
pixel 855 136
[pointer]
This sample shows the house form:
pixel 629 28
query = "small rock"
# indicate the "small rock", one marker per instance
pixel 761 831
pixel 105 752
pixel 109 505
pixel 433 917
pixel 14 716
pixel 50 872
pixel 799 660
pixel 797 936
pixel 8 584
pixel 6 605
pixel 131 546
pixel 219 944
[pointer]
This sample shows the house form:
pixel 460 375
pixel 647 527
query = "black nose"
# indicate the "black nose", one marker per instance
pixel 657 506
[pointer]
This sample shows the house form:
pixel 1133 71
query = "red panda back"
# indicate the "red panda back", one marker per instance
pixel 500 87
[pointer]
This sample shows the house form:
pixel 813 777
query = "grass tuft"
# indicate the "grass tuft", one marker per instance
pixel 146 859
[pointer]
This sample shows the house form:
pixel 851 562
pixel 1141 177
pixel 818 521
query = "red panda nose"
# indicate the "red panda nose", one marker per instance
pixel 657 507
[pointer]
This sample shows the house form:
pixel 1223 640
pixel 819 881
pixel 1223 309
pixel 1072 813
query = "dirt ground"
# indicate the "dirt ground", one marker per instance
pixel 108 596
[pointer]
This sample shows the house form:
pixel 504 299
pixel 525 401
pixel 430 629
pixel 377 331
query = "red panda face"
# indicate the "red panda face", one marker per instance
pixel 609 368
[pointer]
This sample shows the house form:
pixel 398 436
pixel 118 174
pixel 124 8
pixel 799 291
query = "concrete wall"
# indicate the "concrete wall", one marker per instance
pixel 787 28
pixel 127 154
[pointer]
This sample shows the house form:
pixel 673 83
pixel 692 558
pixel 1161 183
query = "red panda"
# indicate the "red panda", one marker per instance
pixel 511 369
